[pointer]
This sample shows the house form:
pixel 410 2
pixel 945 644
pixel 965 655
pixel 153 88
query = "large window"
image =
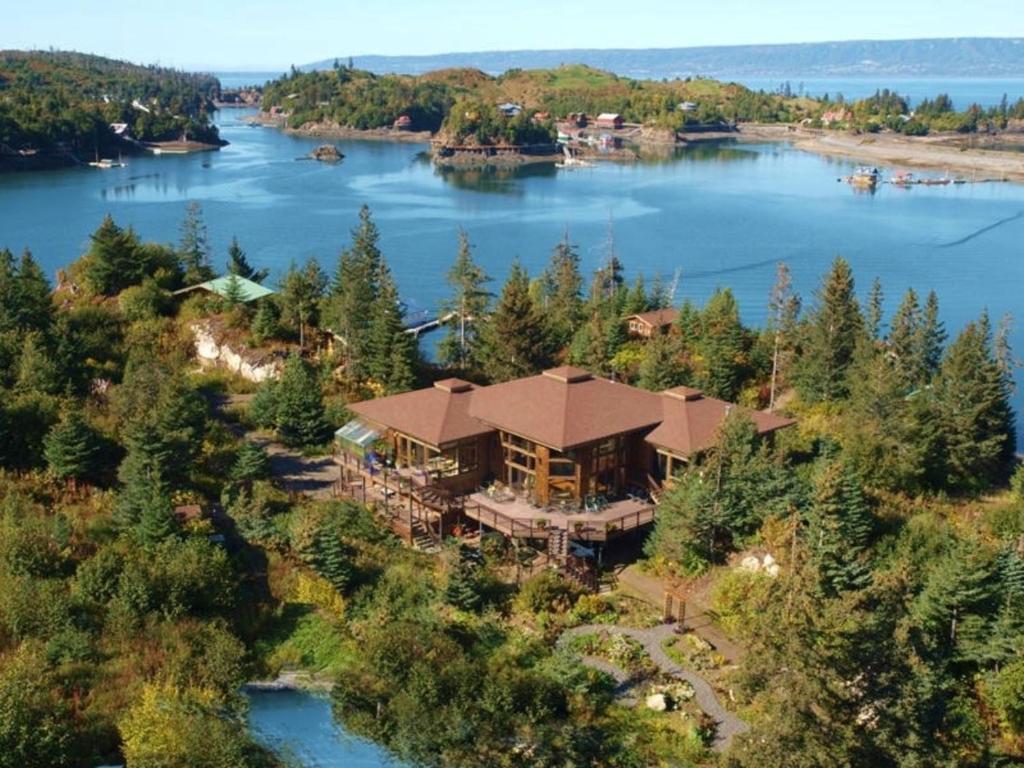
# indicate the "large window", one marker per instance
pixel 562 476
pixel 520 460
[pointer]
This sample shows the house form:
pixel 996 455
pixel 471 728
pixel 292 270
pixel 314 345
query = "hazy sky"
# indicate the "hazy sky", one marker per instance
pixel 259 34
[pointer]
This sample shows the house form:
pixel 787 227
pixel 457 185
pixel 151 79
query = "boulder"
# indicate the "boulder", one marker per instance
pixel 327 153
pixel 657 702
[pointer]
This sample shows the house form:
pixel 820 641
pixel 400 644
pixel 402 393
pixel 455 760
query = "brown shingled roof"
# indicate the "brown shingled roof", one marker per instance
pixel 565 407
pixel 435 415
pixel 657 318
pixel 691 421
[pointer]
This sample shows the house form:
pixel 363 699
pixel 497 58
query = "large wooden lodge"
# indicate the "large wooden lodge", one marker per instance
pixel 562 456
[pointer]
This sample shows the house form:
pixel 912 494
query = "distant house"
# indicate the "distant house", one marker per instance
pixel 645 324
pixel 687 106
pixel 836 116
pixel 510 109
pixel 403 123
pixel 579 119
pixel 119 129
pixel 221 286
pixel 541 116
pixel 609 120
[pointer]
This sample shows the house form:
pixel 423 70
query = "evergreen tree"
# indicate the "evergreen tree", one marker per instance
pixel 636 300
pixel 390 351
pixel 464 584
pixel 783 310
pixel 113 263
pixel 194 248
pixel 873 319
pixel 514 335
pixel 300 405
pixel 354 291
pixel 31 304
pixel 9 320
pixel 973 400
pixel 562 293
pixel 239 265
pixel 234 295
pixel 37 368
pixel 142 474
pixel 301 292
pixel 468 305
pixel 904 342
pixel 722 346
pixel 180 418
pixel 252 463
pixel 661 367
pixel 72 448
pixel 932 336
pixel 265 322
pixel 156 520
pixel 332 559
pixel 830 339
pixel 839 529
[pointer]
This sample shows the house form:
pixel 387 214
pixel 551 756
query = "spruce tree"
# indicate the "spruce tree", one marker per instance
pixel 464 584
pixel 662 367
pixel 562 291
pixel 515 341
pixel 142 475
pixel 234 295
pixel 156 521
pixel 332 558
pixel 301 293
pixel 300 405
pixel 113 263
pixel 839 529
pixel 722 346
pixel 72 448
pixel 238 264
pixel 265 322
pixel 9 321
pixel 973 399
pixel 390 351
pixel 32 304
pixel 904 342
pixel 830 339
pixel 194 248
pixel 354 291
pixel 873 318
pixel 467 306
pixel 37 368
pixel 636 299
pixel 251 464
pixel 932 336
pixel 783 311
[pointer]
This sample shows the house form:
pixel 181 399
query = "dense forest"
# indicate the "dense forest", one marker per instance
pixel 53 99
pixel 887 110
pixel 151 561
pixel 360 99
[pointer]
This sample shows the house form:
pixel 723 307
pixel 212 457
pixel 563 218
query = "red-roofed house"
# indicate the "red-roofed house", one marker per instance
pixel 566 450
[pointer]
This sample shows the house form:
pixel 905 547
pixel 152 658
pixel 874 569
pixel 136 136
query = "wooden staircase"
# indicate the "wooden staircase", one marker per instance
pixel 558 543
pixel 422 540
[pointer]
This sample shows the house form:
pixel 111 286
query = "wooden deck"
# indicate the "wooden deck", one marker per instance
pixel 520 519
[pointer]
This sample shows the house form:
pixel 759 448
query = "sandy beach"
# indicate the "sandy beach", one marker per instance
pixel 933 153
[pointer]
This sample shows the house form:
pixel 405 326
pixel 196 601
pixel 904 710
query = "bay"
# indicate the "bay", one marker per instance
pixel 299 727
pixel 723 214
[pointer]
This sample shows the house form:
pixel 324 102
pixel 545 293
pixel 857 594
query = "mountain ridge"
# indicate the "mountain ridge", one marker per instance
pixel 926 57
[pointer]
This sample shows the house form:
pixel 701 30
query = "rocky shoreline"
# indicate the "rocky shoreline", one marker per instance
pixel 950 153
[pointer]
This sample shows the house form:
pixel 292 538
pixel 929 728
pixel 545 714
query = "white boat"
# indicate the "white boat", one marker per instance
pixel 107 163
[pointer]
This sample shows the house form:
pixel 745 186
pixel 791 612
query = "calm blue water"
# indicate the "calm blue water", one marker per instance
pixel 723 216
pixel 299 727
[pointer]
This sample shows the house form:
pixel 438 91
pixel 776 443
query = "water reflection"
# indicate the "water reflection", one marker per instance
pixel 494 179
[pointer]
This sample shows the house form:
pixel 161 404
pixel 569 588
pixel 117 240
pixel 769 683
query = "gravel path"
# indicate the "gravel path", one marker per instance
pixel 727 724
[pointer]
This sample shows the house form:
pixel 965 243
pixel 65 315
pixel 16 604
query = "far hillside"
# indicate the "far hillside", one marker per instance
pixel 362 100
pixel 54 101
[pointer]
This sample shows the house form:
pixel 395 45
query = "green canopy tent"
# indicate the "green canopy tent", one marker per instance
pixel 356 437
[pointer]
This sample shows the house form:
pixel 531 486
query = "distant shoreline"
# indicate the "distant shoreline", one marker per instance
pixel 944 152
